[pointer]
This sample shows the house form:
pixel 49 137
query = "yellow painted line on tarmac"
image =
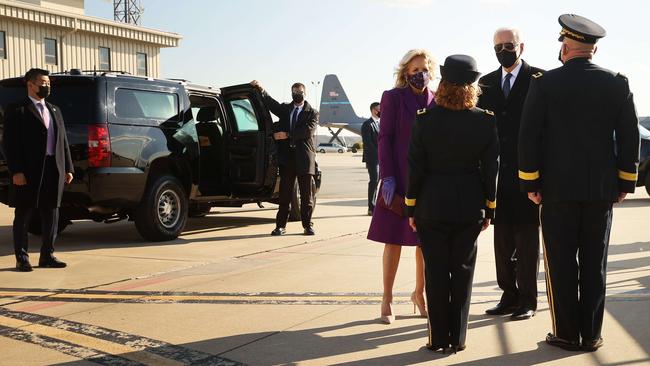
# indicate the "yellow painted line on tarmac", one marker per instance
pixel 25 293
pixel 110 348
pixel 234 298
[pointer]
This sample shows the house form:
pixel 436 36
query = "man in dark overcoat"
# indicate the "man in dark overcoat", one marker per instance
pixel 38 156
pixel 516 223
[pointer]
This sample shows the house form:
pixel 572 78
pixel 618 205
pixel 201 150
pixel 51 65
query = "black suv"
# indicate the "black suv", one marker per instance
pixel 157 151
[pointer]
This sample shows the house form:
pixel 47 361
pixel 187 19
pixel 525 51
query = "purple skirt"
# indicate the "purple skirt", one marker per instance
pixel 389 228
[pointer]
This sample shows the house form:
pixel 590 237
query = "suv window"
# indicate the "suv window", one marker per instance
pixel 244 115
pixel 146 104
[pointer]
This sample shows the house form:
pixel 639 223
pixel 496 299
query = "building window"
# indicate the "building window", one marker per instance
pixel 3 51
pixel 51 55
pixel 142 64
pixel 104 58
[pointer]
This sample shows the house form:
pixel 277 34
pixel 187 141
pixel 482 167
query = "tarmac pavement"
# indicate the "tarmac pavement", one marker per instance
pixel 227 293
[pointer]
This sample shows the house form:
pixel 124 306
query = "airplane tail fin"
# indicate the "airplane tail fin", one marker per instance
pixel 335 107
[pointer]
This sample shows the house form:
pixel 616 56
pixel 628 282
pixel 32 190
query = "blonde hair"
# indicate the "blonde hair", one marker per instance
pixel 400 72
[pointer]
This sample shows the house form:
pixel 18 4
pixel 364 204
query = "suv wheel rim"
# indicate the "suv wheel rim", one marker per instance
pixel 169 209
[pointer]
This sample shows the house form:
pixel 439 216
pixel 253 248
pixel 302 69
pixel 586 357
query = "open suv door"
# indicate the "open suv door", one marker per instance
pixel 250 146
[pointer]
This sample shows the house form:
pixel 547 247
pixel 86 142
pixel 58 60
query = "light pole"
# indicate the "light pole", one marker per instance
pixel 316 84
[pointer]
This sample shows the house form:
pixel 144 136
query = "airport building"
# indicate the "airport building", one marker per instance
pixel 56 35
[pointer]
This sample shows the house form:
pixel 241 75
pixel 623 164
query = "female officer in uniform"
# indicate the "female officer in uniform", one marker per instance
pixel 451 196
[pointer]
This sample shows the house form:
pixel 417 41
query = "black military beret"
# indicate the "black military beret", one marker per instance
pixel 459 70
pixel 580 29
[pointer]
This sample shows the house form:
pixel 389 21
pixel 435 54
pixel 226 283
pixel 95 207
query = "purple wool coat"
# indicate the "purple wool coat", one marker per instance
pixel 399 107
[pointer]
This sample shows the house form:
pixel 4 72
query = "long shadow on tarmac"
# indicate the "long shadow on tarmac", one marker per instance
pixel 86 235
pixel 293 347
pixel 296 346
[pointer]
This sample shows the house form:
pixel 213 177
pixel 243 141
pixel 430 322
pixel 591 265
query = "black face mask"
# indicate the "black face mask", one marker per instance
pixel 507 58
pixel 297 97
pixel 43 91
pixel 559 56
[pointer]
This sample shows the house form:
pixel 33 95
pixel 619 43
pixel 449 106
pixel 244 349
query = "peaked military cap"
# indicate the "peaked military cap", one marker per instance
pixel 459 70
pixel 580 29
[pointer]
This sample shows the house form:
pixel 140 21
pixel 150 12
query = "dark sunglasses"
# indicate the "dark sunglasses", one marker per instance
pixel 505 46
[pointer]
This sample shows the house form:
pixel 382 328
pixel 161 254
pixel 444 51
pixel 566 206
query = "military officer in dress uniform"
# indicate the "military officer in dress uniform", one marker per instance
pixel 578 153
pixel 451 196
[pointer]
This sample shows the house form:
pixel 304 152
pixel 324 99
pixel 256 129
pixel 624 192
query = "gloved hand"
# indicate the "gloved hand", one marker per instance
pixel 388 189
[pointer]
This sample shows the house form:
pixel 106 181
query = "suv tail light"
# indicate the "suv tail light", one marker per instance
pixel 99 146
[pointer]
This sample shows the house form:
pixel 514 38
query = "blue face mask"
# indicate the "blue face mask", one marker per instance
pixel 419 80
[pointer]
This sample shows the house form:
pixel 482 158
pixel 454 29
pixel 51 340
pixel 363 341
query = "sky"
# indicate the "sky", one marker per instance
pixel 278 42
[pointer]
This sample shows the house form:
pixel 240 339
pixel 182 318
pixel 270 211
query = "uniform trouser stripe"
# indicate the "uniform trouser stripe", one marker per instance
pixel 549 282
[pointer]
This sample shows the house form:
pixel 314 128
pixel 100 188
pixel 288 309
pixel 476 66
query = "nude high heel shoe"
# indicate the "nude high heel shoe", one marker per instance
pixel 420 305
pixel 387 318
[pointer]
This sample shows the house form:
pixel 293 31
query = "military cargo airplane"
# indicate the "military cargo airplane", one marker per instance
pixel 336 110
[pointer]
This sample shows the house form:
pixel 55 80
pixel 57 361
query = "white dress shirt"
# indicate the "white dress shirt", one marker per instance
pixel 41 107
pixel 299 107
pixel 514 73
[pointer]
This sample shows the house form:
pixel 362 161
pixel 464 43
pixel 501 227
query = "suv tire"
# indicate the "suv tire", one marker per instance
pixel 35 227
pixel 162 213
pixel 294 208
pixel 340 151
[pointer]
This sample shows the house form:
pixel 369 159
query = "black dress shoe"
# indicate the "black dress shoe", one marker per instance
pixel 23 266
pixel 455 349
pixel 278 231
pixel 522 314
pixel 592 345
pixel 562 343
pixel 501 309
pixel 309 231
pixel 434 348
pixel 51 262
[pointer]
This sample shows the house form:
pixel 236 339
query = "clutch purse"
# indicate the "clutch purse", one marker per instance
pixel 397 205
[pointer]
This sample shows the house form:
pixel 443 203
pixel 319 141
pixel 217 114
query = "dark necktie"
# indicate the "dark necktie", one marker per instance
pixel 294 116
pixel 506 85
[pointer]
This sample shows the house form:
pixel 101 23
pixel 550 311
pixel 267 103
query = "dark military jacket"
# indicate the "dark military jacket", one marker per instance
pixel 453 165
pixel 579 137
pixel 514 206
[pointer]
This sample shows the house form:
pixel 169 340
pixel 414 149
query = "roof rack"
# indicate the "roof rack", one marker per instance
pixel 93 72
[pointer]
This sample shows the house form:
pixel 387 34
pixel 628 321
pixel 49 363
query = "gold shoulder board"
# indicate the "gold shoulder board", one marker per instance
pixel 422 111
pixel 537 75
pixel 489 112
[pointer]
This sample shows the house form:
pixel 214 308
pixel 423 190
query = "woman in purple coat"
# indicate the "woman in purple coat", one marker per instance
pixel 399 107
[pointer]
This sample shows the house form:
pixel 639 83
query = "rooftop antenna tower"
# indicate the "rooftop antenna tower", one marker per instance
pixel 127 11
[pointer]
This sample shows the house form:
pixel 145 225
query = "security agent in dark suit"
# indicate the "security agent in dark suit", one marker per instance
pixel 38 157
pixel 578 153
pixel 294 134
pixel 451 196
pixel 369 134
pixel 516 223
